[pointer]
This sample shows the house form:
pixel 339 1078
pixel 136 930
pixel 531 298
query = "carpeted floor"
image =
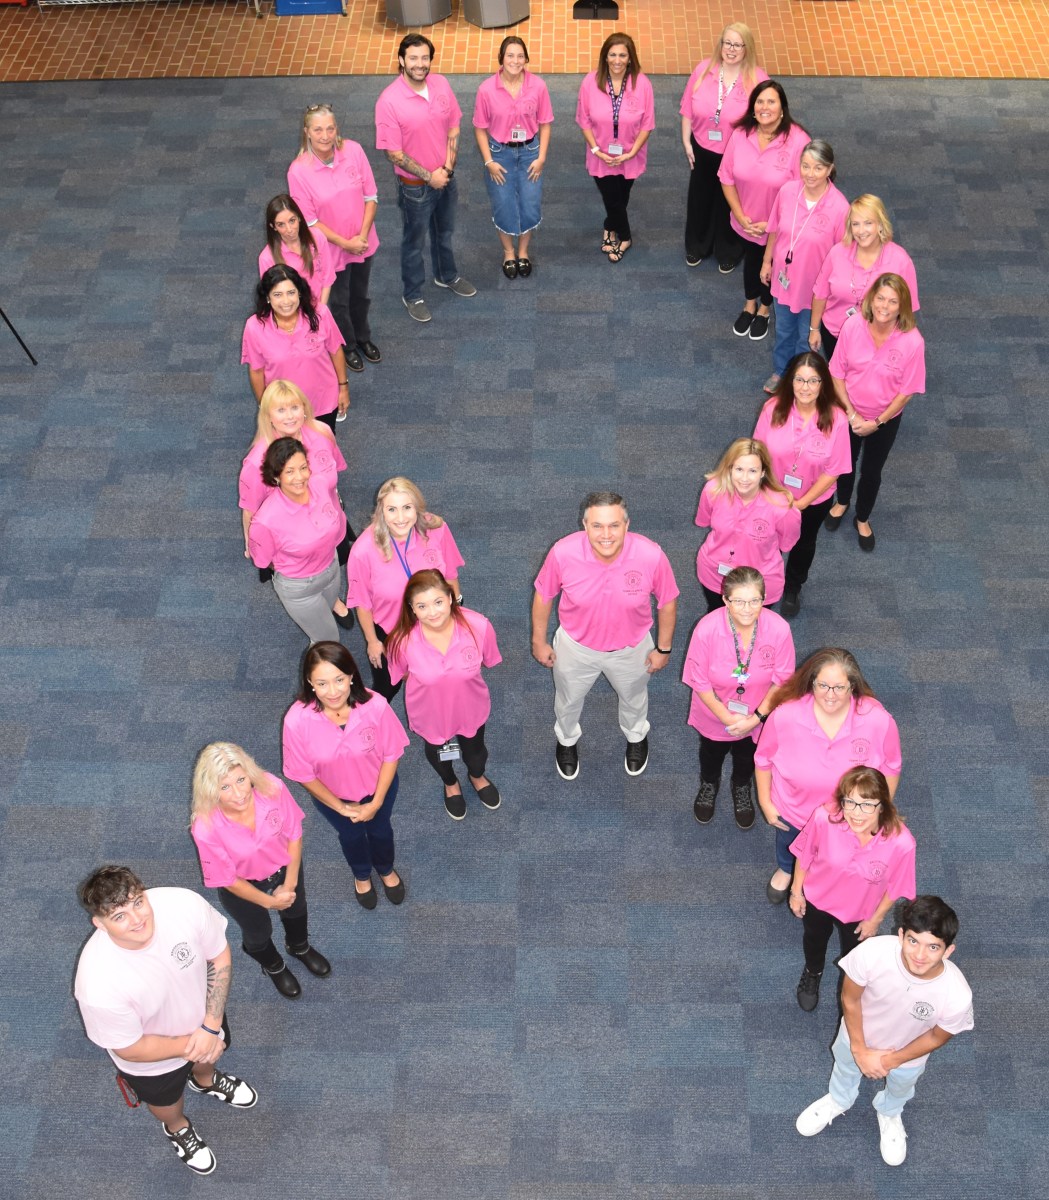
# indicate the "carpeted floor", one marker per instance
pixel 586 995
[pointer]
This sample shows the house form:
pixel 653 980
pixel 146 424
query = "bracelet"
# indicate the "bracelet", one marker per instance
pixel 343 383
pixel 659 650
pixel 593 149
pixel 489 161
pixel 814 329
pixel 213 1032
pixel 762 717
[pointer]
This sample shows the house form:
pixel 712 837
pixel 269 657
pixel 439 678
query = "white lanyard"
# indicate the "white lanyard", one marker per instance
pixel 722 94
pixel 794 220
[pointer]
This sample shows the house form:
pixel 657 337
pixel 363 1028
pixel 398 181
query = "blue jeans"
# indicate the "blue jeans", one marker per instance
pixel 426 209
pixel 784 837
pixel 845 1080
pixel 516 203
pixel 366 845
pixel 792 335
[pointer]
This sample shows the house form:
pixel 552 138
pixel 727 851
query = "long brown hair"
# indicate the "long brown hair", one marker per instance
pixel 802 682
pixel 633 70
pixel 826 399
pixel 871 784
pixel 422 581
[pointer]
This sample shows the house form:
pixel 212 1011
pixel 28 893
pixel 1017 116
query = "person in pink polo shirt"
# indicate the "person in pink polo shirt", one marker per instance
pixel 822 722
pixel 343 744
pixel 736 656
pixel 762 155
pixel 288 338
pixel 616 113
pixel 807 435
pixel 855 859
pixel 441 647
pixel 878 366
pixel 403 538
pixel 715 97
pixel 248 834
pixel 289 240
pixel 751 517
pixel 417 125
pixel 333 183
pixel 606 578
pixel 902 1001
pixel 512 122
pixel 152 984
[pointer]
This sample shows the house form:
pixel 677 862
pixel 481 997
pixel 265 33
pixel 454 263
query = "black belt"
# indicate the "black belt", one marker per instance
pixel 514 145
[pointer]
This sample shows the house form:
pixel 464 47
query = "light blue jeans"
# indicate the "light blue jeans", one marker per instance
pixel 846 1076
pixel 517 202
pixel 792 335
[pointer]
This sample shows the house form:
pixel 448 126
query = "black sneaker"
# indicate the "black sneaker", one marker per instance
pixel 741 325
pixel 489 796
pixel 743 804
pixel 227 1088
pixel 692 260
pixel 567 760
pixel 726 268
pixel 703 808
pixel 192 1149
pixel 636 758
pixel 759 328
pixel 808 990
pixel 455 806
pixel 790 605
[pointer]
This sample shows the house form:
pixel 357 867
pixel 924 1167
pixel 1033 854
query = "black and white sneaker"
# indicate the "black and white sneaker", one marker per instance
pixel 567 760
pixel 227 1088
pixel 192 1149
pixel 636 758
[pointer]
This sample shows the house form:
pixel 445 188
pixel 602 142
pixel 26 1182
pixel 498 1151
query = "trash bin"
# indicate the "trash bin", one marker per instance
pixel 492 14
pixel 418 12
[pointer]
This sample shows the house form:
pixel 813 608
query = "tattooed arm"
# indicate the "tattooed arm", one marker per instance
pixel 453 148
pixel 406 163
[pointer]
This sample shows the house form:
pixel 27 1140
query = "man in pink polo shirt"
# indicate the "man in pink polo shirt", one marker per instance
pixel 902 1000
pixel 606 578
pixel 151 984
pixel 417 125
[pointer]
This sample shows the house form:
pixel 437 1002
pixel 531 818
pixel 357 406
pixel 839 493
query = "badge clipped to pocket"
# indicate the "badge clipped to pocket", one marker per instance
pixel 449 752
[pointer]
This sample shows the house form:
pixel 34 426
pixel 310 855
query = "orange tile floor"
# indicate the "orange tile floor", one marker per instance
pixel 971 39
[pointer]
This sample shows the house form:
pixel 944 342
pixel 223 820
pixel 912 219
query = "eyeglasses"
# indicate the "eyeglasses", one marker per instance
pixel 733 45
pixel 745 603
pixel 863 806
pixel 837 689
pixel 807 382
pixel 312 108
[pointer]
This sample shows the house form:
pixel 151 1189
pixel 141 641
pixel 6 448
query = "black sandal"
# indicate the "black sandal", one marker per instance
pixel 619 252
pixel 611 240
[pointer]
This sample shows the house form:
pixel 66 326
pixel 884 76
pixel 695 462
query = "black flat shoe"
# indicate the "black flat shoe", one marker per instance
pixel 394 892
pixel 367 899
pixel 524 267
pixel 776 895
pixel 312 960
pixel 510 268
pixel 831 523
pixel 866 540
pixel 354 361
pixel 370 351
pixel 345 621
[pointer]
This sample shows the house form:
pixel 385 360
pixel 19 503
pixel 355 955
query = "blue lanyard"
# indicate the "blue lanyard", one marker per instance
pixel 617 104
pixel 403 558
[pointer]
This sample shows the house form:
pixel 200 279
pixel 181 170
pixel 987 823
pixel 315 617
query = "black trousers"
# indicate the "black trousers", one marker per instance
pixel 712 757
pixel 868 456
pixel 753 288
pixel 615 192
pixel 381 681
pixel 799 560
pixel 256 924
pixel 349 303
pixel 819 925
pixel 827 342
pixel 329 418
pixel 707 227
pixel 474 753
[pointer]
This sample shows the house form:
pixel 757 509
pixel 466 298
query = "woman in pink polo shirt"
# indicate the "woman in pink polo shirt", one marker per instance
pixel 296 531
pixel 807 218
pixel 715 98
pixel 512 122
pixel 751 517
pixel 807 435
pixel 248 833
pixel 855 859
pixel 289 240
pixel 441 647
pixel 288 338
pixel 762 155
pixel 736 657
pixel 616 113
pixel 332 182
pixel 343 744
pixel 403 538
pixel 822 722
pixel 866 251
pixel 878 365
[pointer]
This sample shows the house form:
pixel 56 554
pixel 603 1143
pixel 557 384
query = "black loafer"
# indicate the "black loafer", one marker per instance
pixel 370 351
pixel 284 981
pixel 367 899
pixel 776 895
pixel 354 361
pixel 866 540
pixel 789 605
pixel 345 621
pixel 524 267
pixel 394 892
pixel 831 523
pixel 510 268
pixel 312 960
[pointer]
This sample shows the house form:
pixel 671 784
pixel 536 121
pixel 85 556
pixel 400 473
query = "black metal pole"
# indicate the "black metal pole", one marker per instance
pixel 18 338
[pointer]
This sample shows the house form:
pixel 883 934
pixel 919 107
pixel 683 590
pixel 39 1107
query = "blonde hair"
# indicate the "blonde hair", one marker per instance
pixel 875 206
pixel 424 521
pixel 213 764
pixel 748 69
pixel 889 279
pixel 722 473
pixel 317 110
pixel 278 392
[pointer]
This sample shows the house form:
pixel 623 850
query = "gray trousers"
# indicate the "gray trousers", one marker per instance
pixel 576 670
pixel 309 602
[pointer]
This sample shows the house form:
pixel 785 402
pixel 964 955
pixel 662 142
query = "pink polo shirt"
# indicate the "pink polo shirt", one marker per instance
pixel 405 120
pixel 606 606
pixel 336 193
pixel 896 1006
pixel 322 453
pixel 378 585
pixel 745 535
pixel 297 540
pixel 757 175
pixel 800 451
pixel 446 693
pixel 500 113
pixel 701 104
pixel 806 765
pixel 711 659
pixel 323 273
pixel 347 761
pixel 846 879
pixel 637 112
pixel 230 851
pixel 874 376
pixel 843 284
pixel 807 234
pixel 303 357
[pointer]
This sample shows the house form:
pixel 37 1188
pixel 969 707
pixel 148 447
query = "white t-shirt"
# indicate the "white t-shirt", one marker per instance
pixel 160 988
pixel 897 1006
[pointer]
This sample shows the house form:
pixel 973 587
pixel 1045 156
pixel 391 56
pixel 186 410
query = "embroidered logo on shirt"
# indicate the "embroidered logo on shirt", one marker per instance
pixel 183 954
pixel 273 820
pixel 876 870
pixel 430 558
pixel 894 358
pixel 760 529
pixel 922 1010
pixel 766 656
pixel 366 737
pixel 818 446
pixel 632 581
pixel 819 221
pixel 861 748
pixel 469 656
pixel 441 103
pixel 783 160
pixel 315 341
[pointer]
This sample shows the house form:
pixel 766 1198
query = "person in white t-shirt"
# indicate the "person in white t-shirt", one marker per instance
pixel 151 984
pixel 902 1000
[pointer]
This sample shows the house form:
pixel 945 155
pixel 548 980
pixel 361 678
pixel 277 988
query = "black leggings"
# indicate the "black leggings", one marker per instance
pixel 712 757
pixel 615 192
pixel 819 925
pixel 799 560
pixel 753 288
pixel 869 454
pixel 256 925
pixel 707 228
pixel 381 681
pixel 474 754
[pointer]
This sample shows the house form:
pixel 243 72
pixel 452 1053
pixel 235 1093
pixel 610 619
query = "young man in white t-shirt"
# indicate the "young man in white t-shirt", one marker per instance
pixel 902 1000
pixel 151 984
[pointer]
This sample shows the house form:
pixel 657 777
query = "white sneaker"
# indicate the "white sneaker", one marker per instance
pixel 192 1149
pixel 893 1139
pixel 817 1116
